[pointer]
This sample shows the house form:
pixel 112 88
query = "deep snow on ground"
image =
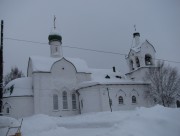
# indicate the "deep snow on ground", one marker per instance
pixel 155 121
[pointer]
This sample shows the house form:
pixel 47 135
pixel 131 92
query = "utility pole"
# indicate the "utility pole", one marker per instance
pixel 1 66
pixel 110 100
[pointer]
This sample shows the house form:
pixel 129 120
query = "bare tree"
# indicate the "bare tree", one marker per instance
pixel 165 84
pixel 15 73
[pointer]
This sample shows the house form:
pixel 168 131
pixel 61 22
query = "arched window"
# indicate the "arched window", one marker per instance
pixel 131 65
pixel 137 62
pixel 148 59
pixel 7 108
pixel 133 99
pixel 55 102
pixel 65 101
pixel 121 101
pixel 74 101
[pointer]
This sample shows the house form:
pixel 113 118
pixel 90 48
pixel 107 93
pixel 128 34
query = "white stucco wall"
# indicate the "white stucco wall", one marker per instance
pixel 55 49
pixel 138 74
pixel 96 98
pixel 63 77
pixel 90 99
pixel 81 77
pixel 19 106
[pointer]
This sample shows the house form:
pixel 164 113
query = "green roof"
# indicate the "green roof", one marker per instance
pixel 54 37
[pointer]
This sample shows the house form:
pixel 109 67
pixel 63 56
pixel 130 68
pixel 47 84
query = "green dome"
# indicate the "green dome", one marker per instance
pixel 55 37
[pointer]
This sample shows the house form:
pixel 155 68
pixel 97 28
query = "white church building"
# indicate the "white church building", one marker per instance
pixel 60 86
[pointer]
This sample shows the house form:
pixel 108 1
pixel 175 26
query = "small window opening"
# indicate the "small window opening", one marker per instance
pixel 131 65
pixel 148 60
pixel 56 48
pixel 65 100
pixel 133 99
pixel 137 62
pixel 74 101
pixel 121 101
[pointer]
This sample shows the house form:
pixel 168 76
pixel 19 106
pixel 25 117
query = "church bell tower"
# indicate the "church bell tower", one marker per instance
pixel 55 42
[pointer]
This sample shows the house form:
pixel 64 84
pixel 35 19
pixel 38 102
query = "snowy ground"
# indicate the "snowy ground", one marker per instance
pixel 155 121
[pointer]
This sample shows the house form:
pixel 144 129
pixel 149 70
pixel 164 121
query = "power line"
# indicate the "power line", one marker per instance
pixel 86 49
pixel 95 50
pixel 20 40
pixel 67 46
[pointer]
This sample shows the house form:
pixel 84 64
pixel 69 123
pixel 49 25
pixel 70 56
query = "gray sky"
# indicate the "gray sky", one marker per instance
pixel 95 24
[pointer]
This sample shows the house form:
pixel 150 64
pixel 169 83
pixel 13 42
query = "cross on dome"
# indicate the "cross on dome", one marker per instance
pixel 54 22
pixel 135 28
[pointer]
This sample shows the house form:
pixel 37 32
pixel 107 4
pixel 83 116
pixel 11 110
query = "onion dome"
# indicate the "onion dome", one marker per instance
pixel 55 36
pixel 136 34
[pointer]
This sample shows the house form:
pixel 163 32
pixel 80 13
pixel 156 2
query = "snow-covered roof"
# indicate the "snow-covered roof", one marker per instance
pixel 100 74
pixel 107 77
pixel 54 32
pixel 138 47
pixel 44 64
pixel 19 87
pixel 109 82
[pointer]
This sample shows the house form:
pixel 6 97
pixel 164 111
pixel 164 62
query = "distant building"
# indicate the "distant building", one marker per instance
pixel 60 86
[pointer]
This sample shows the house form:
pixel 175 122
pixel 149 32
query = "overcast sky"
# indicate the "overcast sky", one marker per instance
pixel 94 24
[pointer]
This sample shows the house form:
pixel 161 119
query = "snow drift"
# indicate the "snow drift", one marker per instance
pixel 155 121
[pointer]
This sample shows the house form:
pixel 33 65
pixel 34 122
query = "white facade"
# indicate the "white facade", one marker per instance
pixel 120 95
pixel 61 86
pixel 18 106
pixel 19 103
pixel 141 57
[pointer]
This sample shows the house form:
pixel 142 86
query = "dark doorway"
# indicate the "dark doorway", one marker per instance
pixel 178 103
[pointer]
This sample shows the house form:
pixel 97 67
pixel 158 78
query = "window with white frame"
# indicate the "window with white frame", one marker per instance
pixel 65 100
pixel 55 102
pixel 74 101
